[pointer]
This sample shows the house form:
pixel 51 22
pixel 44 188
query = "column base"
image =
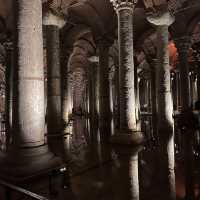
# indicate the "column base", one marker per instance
pixel 126 145
pixel 127 142
pixel 22 164
pixel 128 137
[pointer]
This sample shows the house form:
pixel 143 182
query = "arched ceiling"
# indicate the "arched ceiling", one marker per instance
pixel 98 18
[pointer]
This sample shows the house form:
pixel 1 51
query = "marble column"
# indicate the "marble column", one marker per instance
pixel 104 92
pixel 125 141
pixel 164 105
pixel 28 153
pixel 183 44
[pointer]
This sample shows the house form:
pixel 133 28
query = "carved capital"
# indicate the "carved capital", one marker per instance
pixel 161 18
pixel 123 4
pixel 51 19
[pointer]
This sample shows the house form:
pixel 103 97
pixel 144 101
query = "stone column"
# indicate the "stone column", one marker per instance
pixel 78 88
pixel 128 136
pixel 66 109
pixel 126 66
pixel 183 44
pixel 53 81
pixel 153 98
pixel 53 24
pixel 164 105
pixel 94 114
pixel 117 100
pixel 9 92
pixel 28 153
pixel 178 96
pixel 104 92
pixel 93 118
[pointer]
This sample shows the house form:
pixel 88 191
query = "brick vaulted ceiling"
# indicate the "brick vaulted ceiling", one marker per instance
pixel 98 16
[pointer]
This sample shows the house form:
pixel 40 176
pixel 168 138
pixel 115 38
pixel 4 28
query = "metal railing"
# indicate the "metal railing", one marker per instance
pixel 10 187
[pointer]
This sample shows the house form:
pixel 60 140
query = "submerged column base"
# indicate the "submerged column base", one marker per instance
pixel 19 164
pixel 127 146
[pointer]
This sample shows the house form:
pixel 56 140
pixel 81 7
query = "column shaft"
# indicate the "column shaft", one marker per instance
pixel 104 92
pixel 65 97
pixel 78 88
pixel 128 135
pixel 164 112
pixel 9 94
pixel 53 81
pixel 153 99
pixel 27 153
pixel 182 45
pixel 127 72
pixel 29 76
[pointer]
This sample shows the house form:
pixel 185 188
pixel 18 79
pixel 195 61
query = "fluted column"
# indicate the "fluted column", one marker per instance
pixel 183 44
pixel 164 104
pixel 128 136
pixel 28 153
pixel 104 92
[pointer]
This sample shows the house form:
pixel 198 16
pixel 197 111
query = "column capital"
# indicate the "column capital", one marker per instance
pixel 50 19
pixel 123 4
pixel 183 43
pixel 161 18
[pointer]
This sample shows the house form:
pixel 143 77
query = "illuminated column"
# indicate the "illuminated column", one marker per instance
pixel 124 142
pixel 104 92
pixel 28 153
pixel 66 108
pixel 9 92
pixel 78 88
pixel 164 104
pixel 183 43
pixel 128 108
pixel 29 90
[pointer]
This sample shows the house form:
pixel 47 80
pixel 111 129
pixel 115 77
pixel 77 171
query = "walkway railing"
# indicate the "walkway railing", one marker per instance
pixel 10 187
